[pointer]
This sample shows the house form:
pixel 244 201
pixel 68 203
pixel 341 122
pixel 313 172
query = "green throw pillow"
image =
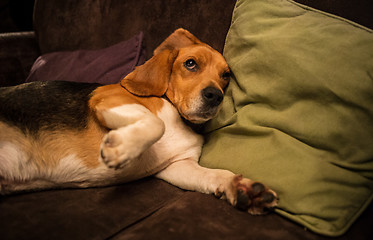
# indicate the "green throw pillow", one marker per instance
pixel 298 113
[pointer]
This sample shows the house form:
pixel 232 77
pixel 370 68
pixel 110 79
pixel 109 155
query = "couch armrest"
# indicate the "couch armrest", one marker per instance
pixel 18 52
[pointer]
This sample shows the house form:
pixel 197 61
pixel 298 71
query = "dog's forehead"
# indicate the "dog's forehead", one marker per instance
pixel 202 52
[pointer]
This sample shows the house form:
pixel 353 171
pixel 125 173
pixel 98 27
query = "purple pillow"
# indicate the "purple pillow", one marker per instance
pixel 105 66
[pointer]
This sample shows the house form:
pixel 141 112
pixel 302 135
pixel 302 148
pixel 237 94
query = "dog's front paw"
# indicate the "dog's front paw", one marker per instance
pixel 116 151
pixel 253 197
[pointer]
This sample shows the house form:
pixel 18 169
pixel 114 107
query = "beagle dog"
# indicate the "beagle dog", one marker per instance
pixel 65 134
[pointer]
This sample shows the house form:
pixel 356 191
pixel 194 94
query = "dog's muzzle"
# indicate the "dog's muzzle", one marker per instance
pixel 212 97
pixel 205 107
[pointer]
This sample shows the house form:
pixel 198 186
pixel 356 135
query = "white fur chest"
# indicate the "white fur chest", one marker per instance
pixel 179 141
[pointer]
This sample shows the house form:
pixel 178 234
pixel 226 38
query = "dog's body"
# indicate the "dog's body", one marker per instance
pixel 61 134
pixel 59 145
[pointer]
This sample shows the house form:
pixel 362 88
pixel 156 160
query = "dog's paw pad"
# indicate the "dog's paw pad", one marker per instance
pixel 110 150
pixel 254 197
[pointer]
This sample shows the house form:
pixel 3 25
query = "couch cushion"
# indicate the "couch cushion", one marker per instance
pixel 105 66
pixel 298 114
pixel 94 213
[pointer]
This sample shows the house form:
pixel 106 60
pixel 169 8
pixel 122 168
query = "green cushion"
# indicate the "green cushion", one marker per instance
pixel 298 113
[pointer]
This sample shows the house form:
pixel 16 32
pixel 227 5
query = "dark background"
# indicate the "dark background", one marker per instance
pixel 16 15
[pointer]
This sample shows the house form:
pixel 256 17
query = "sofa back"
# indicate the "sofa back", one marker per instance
pixel 94 24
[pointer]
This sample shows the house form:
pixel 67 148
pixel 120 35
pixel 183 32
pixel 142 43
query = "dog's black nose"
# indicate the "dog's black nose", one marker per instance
pixel 212 96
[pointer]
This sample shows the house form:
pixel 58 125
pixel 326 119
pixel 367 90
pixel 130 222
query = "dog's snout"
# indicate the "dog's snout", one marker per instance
pixel 212 96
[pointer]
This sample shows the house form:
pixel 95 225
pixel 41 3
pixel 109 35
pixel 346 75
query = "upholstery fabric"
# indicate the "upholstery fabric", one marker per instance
pixel 145 209
pixel 95 213
pixel 71 25
pixel 17 53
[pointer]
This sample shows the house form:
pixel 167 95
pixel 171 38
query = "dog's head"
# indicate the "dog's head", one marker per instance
pixel 191 74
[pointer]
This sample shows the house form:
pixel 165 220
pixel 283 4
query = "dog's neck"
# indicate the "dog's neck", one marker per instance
pixel 198 128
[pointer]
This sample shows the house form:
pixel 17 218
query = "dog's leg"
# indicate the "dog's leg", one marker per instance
pixel 242 193
pixel 133 129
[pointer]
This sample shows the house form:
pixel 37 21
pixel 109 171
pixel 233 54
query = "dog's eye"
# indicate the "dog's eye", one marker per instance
pixel 226 75
pixel 191 65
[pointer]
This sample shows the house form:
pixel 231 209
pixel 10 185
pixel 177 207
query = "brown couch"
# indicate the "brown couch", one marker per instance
pixel 148 208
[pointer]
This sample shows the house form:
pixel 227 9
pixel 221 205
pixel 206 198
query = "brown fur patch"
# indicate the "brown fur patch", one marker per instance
pixel 49 147
pixel 111 96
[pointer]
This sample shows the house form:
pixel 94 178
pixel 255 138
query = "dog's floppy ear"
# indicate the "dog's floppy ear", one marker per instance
pixel 151 78
pixel 178 39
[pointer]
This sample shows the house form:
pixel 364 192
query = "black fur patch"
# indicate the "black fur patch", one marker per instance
pixel 46 105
